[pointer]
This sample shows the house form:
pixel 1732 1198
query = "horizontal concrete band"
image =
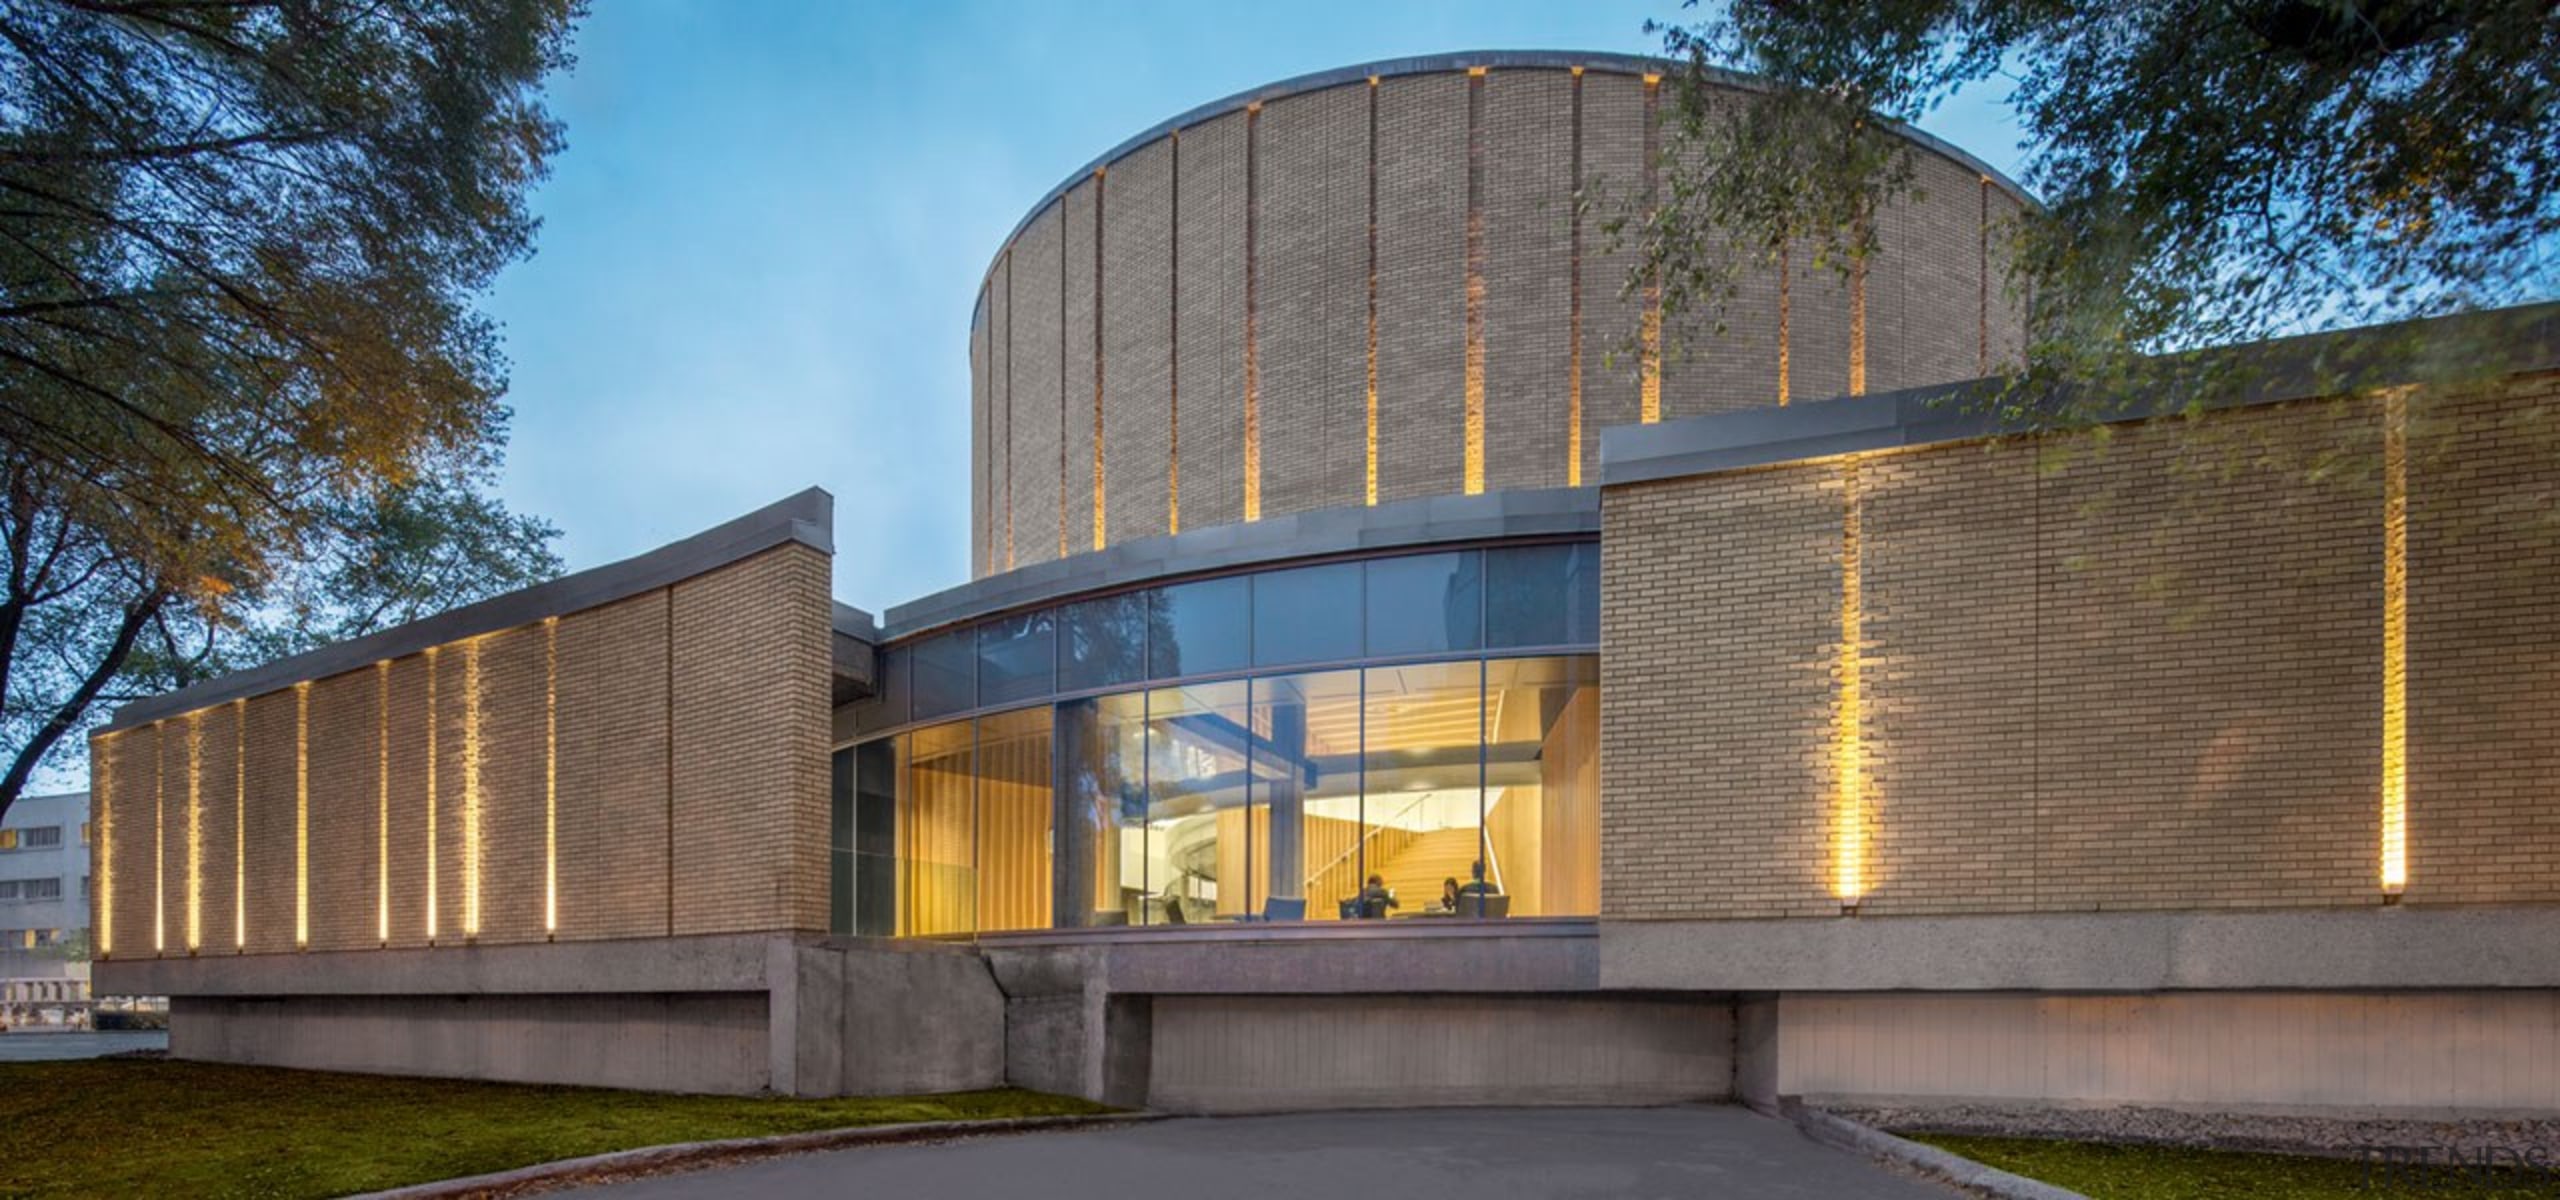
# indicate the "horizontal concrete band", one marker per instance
pixel 2380 948
pixel 1403 524
pixel 2508 341
pixel 1545 957
pixel 720 963
pixel 807 517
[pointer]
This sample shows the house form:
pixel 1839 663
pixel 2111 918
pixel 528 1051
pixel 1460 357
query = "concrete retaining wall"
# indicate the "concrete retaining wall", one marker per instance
pixel 2427 1054
pixel 1248 1053
pixel 675 1042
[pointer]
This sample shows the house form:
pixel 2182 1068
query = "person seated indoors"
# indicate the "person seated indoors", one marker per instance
pixel 1376 899
pixel 1448 904
pixel 1471 894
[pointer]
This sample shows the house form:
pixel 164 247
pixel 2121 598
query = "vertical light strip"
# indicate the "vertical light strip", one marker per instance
pixel 1173 346
pixel 1061 515
pixel 1098 475
pixel 1573 304
pixel 1858 316
pixel 2395 641
pixel 1371 470
pixel 1649 345
pixel 382 801
pixel 471 799
pixel 104 799
pixel 1849 837
pixel 1474 378
pixel 1982 323
pixel 431 795
pixel 195 831
pixel 159 837
pixel 1011 302
pixel 302 815
pixel 1786 305
pixel 551 776
pixel 1252 332
pixel 240 826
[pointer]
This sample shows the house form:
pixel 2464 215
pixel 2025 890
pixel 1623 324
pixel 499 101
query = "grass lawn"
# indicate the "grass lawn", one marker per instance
pixel 160 1127
pixel 2107 1172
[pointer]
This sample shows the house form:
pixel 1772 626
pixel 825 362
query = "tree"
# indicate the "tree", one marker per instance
pixel 245 399
pixel 2210 171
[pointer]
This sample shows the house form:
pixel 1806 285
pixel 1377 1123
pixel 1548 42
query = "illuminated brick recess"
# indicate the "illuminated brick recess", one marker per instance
pixel 509 788
pixel 1378 287
pixel 2141 675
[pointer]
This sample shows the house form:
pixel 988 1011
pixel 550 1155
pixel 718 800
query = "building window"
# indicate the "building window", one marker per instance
pixel 40 889
pixel 9 838
pixel 43 837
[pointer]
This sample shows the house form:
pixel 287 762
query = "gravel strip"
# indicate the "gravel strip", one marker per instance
pixel 2530 1140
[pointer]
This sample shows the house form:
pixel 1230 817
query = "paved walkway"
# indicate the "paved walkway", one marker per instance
pixel 1705 1153
pixel 33 1047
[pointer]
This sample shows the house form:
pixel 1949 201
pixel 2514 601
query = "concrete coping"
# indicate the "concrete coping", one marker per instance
pixel 1326 532
pixel 1832 1129
pixel 2469 346
pixel 806 517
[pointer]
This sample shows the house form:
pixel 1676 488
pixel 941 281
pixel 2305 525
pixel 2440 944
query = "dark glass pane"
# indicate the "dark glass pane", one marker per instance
pixel 1101 862
pixel 944 673
pixel 1309 614
pixel 840 843
pixel 1542 595
pixel 886 708
pixel 1199 628
pixel 1425 603
pixel 1017 658
pixel 1102 643
pixel 874 849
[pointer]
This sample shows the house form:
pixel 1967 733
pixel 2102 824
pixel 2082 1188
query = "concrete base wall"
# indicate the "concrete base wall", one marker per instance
pixel 1250 1053
pixel 2474 1053
pixel 679 1042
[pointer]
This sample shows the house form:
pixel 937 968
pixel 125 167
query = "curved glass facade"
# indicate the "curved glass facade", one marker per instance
pixel 1400 737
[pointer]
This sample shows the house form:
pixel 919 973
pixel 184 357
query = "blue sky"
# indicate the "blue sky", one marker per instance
pixel 760 248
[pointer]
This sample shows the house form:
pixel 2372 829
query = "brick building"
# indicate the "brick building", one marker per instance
pixel 1397 671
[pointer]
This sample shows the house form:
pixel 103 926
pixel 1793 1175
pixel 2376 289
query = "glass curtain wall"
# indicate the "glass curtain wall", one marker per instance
pixel 1462 789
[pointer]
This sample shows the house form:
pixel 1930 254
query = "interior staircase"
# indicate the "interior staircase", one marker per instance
pixel 1415 873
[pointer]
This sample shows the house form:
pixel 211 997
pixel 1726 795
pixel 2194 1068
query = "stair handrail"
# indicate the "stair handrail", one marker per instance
pixel 1367 832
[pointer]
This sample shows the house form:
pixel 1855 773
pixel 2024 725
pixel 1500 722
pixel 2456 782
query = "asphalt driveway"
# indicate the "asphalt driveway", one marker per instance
pixel 1699 1153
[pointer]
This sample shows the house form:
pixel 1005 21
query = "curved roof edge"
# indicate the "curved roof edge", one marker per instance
pixel 1317 533
pixel 1430 64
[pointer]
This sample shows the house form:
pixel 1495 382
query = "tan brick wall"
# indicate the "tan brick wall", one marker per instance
pixel 1138 420
pixel 1313 299
pixel 1038 398
pixel 1076 518
pixel 1210 246
pixel 750 766
pixel 346 811
pixel 2136 671
pixel 613 770
pixel 2484 647
pixel 705 702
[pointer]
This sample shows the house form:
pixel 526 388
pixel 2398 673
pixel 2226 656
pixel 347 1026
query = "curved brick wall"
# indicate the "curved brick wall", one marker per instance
pixel 1188 334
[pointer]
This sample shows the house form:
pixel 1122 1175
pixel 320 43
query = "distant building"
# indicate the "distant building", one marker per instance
pixel 44 911
pixel 1391 676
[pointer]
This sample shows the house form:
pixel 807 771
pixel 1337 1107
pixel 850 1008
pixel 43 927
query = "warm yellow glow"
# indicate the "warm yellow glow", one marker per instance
pixel 105 786
pixel 1473 378
pixel 2395 641
pixel 1849 834
pixel 1370 473
pixel 471 799
pixel 1858 326
pixel 195 831
pixel 1786 303
pixel 1573 303
pixel 302 814
pixel 159 838
pixel 239 825
pixel 1652 80
pixel 382 801
pixel 551 775
pixel 1252 333
pixel 431 793
pixel 1649 333
pixel 1577 72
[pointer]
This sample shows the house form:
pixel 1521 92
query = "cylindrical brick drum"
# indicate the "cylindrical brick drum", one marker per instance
pixel 1375 284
